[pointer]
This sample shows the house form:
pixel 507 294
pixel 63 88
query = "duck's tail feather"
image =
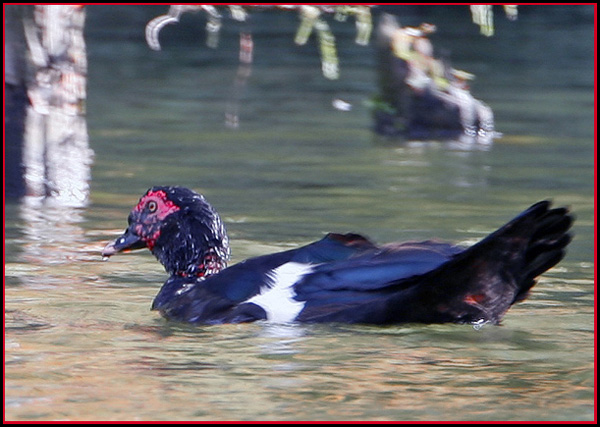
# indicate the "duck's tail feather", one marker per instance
pixel 547 247
pixel 481 283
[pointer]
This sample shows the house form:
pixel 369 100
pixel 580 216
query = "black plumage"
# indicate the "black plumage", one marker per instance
pixel 342 277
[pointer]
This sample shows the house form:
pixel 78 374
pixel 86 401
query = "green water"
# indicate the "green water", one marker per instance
pixel 81 342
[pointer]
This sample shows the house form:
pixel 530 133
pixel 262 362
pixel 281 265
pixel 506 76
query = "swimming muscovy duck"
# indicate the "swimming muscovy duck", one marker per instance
pixel 342 277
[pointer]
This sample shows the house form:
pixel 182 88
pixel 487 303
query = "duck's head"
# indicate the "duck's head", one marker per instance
pixel 181 229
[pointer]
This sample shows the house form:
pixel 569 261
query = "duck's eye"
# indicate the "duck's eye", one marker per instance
pixel 152 206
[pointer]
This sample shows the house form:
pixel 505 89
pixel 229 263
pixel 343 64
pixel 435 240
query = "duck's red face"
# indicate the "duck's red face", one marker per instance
pixel 147 218
pixel 156 204
pixel 145 223
pixel 181 229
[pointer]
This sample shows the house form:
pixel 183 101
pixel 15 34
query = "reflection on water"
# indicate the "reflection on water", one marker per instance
pixel 52 231
pixel 82 344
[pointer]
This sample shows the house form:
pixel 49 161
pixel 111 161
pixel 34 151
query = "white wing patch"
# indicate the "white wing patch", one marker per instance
pixel 278 300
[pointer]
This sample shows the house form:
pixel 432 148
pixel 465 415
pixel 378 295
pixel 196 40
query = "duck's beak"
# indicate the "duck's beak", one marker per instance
pixel 127 242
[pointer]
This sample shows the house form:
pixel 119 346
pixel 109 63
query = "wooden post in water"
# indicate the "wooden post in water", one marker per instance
pixel 55 156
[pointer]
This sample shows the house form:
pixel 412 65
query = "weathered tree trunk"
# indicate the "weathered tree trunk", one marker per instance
pixel 55 155
pixel 421 96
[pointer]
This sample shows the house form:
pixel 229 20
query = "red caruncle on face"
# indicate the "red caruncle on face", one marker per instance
pixel 149 213
pixel 157 205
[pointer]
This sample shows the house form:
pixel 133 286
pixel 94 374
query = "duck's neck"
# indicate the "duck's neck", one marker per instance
pixel 210 263
pixel 189 258
pixel 192 243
